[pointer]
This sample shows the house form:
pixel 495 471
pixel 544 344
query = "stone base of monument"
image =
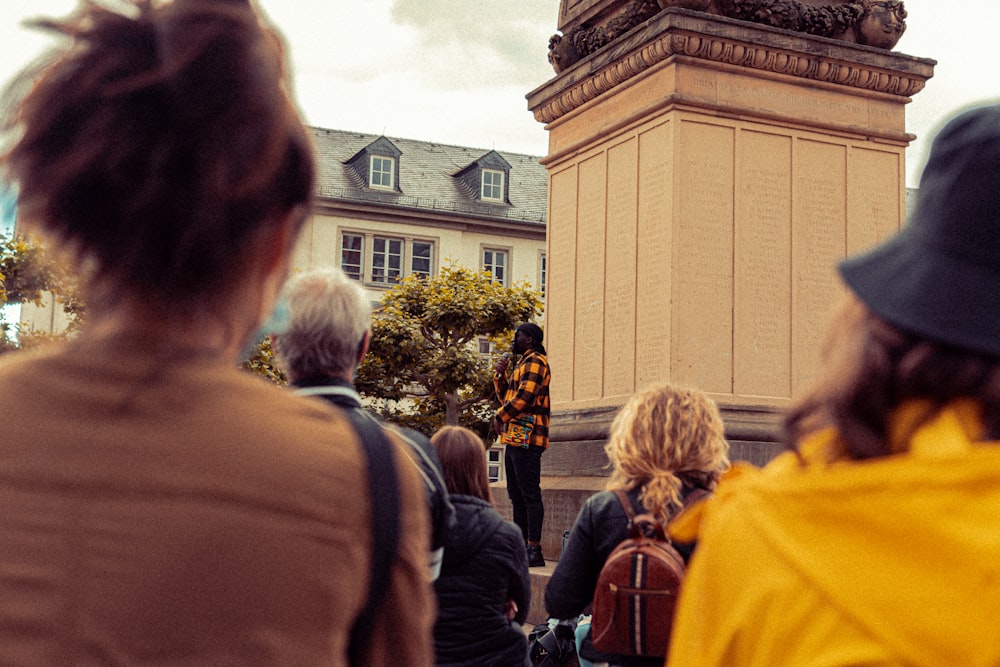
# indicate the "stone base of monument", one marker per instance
pixel 575 467
pixel 563 497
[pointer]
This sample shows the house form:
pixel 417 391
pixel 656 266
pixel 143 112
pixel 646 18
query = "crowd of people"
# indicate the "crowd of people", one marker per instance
pixel 163 507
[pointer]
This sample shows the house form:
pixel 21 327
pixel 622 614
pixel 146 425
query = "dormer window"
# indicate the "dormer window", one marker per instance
pixel 486 179
pixel 381 171
pixel 492 189
pixel 376 166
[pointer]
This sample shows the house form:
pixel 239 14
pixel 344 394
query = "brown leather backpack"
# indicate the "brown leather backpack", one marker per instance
pixel 637 590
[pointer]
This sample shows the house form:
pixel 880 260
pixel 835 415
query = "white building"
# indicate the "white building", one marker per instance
pixel 389 207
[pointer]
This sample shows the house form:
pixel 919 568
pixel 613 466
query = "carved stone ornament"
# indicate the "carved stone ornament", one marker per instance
pixel 683 35
pixel 876 23
pixel 697 5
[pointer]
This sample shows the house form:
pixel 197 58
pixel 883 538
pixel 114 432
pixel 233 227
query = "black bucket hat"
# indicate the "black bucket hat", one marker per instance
pixel 939 277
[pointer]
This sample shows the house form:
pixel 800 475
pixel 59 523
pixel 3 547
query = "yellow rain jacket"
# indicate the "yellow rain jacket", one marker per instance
pixel 894 561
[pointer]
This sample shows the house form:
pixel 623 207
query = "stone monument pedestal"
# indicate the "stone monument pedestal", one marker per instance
pixel 705 176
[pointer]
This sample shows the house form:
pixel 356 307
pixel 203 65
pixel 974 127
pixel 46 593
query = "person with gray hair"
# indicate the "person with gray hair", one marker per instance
pixel 329 325
pixel 326 337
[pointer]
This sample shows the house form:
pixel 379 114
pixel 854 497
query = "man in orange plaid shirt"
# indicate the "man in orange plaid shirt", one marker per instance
pixel 522 422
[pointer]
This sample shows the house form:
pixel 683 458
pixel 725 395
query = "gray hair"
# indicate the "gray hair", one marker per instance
pixel 329 315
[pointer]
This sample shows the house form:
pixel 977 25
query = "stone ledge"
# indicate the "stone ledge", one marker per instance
pixel 685 33
pixel 539 580
pixel 562 497
pixel 577 438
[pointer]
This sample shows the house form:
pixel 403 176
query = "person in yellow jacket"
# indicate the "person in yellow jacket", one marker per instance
pixel 876 539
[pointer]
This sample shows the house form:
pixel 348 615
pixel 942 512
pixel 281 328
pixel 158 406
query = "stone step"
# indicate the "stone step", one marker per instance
pixel 562 498
pixel 536 613
pixel 539 580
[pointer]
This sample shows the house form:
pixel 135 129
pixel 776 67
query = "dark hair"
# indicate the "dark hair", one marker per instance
pixel 463 461
pixel 534 332
pixel 158 144
pixel 871 367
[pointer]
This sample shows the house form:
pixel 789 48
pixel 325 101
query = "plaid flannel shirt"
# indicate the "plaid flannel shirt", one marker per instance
pixel 527 392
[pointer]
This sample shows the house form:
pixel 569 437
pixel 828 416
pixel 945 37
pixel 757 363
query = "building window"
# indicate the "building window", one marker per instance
pixel 485 347
pixel 387 260
pixel 351 255
pixel 494 464
pixel 423 256
pixel 495 263
pixel 384 260
pixel 492 189
pixel 486 178
pixel 381 172
pixel 542 270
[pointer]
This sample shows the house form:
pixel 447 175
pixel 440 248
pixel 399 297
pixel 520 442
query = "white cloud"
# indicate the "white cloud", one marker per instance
pixel 476 43
pixel 960 37
pixel 457 71
pixel 453 71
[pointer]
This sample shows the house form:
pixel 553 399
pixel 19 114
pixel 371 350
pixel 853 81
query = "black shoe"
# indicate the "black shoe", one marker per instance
pixel 535 558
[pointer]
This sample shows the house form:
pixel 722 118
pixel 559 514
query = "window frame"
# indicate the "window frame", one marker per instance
pixel 414 257
pixel 360 272
pixel 507 254
pixel 386 277
pixel 543 271
pixel 391 172
pixel 497 186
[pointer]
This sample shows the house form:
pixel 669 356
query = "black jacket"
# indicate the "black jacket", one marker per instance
pixel 342 394
pixel 485 563
pixel 600 526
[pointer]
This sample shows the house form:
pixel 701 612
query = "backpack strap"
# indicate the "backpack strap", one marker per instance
pixel 626 504
pixel 693 496
pixel 384 491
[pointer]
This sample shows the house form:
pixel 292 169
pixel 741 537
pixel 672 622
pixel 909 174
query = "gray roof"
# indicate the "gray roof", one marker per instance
pixel 427 177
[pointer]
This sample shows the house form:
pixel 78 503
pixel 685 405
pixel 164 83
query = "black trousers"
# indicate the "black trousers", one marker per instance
pixel 524 475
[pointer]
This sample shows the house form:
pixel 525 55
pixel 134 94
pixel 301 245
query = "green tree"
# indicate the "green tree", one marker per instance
pixel 27 275
pixel 425 346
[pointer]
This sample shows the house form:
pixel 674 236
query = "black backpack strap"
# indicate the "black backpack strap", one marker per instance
pixel 384 489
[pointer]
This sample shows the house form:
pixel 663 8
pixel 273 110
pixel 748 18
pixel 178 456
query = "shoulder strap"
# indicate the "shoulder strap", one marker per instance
pixel 626 504
pixel 384 491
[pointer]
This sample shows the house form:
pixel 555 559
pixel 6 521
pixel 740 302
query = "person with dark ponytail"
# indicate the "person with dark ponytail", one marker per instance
pixel 160 505
pixel 522 422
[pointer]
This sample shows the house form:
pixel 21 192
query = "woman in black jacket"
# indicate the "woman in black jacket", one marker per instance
pixel 665 443
pixel 483 591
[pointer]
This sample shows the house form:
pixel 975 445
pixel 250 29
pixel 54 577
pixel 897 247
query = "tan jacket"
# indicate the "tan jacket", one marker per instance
pixel 164 509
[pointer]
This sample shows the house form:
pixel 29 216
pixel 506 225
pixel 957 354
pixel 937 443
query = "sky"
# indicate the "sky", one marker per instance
pixel 457 71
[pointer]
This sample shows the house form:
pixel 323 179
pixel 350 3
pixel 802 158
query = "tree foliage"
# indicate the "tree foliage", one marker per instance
pixel 425 346
pixel 25 274
pixel 261 360
pixel 28 275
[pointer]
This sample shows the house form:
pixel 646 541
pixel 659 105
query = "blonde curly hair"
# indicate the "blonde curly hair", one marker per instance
pixel 662 438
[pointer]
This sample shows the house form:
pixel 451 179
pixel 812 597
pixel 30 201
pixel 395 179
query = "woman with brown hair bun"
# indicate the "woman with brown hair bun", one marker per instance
pixel 484 590
pixel 160 505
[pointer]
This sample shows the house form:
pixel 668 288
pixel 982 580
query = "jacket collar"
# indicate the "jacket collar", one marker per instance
pixel 336 390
